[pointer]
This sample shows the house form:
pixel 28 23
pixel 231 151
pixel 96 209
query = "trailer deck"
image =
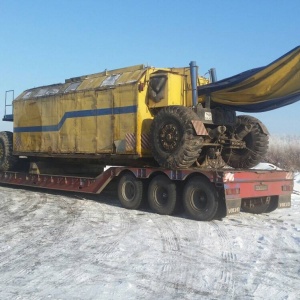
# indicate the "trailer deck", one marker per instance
pixel 250 190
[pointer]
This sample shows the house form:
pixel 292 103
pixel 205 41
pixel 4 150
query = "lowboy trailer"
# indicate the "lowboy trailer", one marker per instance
pixel 205 194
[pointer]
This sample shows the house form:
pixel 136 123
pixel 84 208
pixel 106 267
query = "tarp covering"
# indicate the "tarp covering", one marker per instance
pixel 260 89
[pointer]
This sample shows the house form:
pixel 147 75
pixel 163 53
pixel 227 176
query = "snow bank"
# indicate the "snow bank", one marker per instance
pixel 266 166
pixel 297 182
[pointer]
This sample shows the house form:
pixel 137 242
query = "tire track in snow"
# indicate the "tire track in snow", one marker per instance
pixel 115 222
pixel 177 277
pixel 137 266
pixel 32 231
pixel 116 225
pixel 18 213
pixel 169 240
pixel 106 228
pixel 261 260
pixel 228 259
pixel 59 226
pixel 266 269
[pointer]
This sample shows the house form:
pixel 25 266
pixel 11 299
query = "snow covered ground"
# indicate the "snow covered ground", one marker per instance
pixel 69 246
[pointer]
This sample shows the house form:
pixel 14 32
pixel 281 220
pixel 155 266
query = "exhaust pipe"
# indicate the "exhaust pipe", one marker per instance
pixel 213 75
pixel 194 75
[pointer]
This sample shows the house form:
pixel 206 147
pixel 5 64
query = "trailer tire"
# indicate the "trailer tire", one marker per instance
pixel 173 141
pixel 130 191
pixel 257 142
pixel 7 160
pixel 200 199
pixel 162 195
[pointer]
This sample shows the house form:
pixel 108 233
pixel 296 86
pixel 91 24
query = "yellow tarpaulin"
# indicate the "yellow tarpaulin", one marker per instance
pixel 260 89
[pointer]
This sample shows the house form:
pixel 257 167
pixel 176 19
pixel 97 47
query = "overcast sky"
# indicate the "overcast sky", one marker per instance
pixel 45 42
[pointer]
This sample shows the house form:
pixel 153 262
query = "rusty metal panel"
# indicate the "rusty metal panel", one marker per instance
pixel 67 125
pixel 104 131
pixel 86 127
pixel 49 112
pixel 130 77
pixel 28 113
pixel 112 78
pixel 91 83
pixel 124 124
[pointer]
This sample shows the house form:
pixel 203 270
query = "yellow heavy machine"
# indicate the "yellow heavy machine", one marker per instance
pixel 94 120
pixel 142 116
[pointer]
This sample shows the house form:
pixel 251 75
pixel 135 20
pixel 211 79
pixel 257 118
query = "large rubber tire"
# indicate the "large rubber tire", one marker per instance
pixel 7 160
pixel 130 191
pixel 162 195
pixel 173 140
pixel 200 199
pixel 257 143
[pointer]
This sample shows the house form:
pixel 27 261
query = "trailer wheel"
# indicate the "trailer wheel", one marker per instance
pixel 200 199
pixel 256 205
pixel 173 140
pixel 7 160
pixel 130 191
pixel 256 145
pixel 162 195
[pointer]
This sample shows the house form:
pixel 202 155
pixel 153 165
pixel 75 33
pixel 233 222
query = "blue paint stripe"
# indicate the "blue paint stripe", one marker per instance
pixel 79 114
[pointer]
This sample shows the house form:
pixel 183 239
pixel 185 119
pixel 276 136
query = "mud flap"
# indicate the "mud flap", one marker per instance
pixel 284 201
pixel 233 206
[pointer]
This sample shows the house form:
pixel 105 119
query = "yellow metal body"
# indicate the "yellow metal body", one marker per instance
pixel 103 113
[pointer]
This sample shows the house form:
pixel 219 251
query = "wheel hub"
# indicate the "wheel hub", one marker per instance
pixel 169 137
pixel 199 200
pixel 161 196
pixel 128 191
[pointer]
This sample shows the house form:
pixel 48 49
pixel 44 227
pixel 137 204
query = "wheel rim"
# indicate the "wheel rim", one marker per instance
pixel 161 196
pixel 128 191
pixel 169 137
pixel 199 200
